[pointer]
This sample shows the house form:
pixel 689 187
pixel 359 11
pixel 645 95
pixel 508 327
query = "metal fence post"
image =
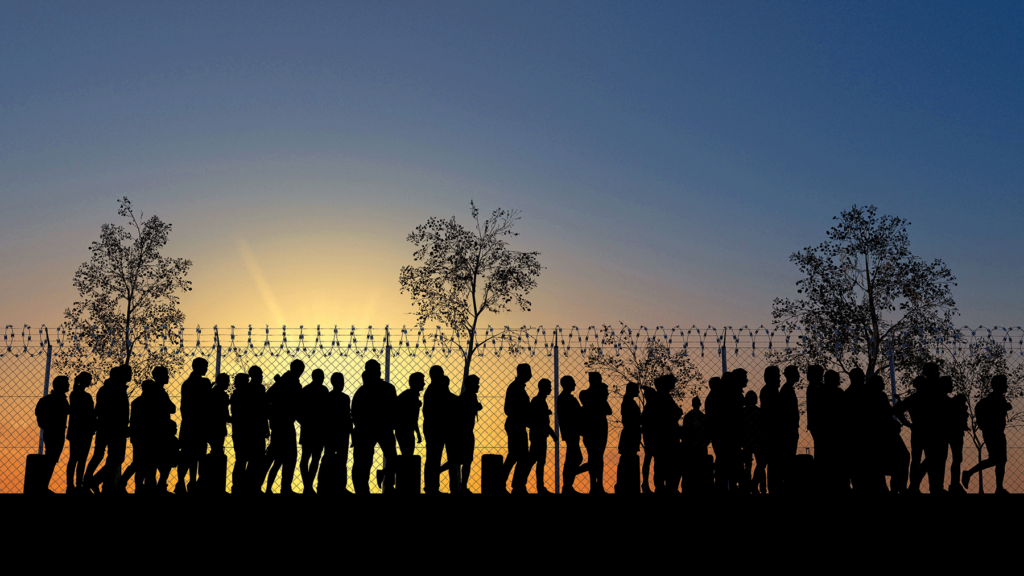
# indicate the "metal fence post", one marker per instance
pixel 558 450
pixel 46 387
pixel 892 372
pixel 387 355
pixel 725 367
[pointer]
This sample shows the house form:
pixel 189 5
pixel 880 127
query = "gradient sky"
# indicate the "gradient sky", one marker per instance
pixel 667 158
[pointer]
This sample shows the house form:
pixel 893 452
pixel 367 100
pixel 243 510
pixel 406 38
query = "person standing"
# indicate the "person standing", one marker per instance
pixel 334 473
pixel 787 422
pixel 407 421
pixel 81 427
pixel 283 399
pixel 517 415
pixel 438 405
pixel 373 410
pixel 192 435
pixel 52 416
pixel 113 413
pixel 627 477
pixel 249 430
pixel 314 414
pixel 595 429
pixel 569 415
pixel 991 414
pixel 540 429
pixel 463 435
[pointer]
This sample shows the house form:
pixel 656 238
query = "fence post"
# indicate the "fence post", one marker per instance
pixel 892 372
pixel 387 378
pixel 558 449
pixel 46 387
pixel 725 367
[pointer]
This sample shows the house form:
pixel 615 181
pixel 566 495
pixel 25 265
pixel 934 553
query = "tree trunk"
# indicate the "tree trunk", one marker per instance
pixel 469 359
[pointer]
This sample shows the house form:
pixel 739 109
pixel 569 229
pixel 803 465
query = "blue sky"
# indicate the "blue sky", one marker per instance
pixel 667 157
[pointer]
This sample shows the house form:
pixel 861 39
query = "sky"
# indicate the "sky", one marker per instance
pixel 667 158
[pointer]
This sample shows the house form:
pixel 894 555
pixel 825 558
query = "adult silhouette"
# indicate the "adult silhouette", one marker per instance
pixel 715 423
pixel 787 420
pixel 113 412
pixel 956 421
pixel 828 444
pixel 463 436
pixel 860 436
pixel 249 431
pixel 192 435
pixel 314 417
pixel 334 472
pixel 151 413
pixel 52 416
pixel 753 446
pixel 595 428
pixel 438 409
pixel 920 407
pixel 991 412
pixel 81 427
pixel 216 416
pixel 283 399
pixel 517 415
pixel 626 479
pixel 768 396
pixel 373 408
pixel 666 449
pixel 649 432
pixel 893 458
pixel 816 409
pixel 570 415
pixel 407 420
pixel 540 430
pixel 694 448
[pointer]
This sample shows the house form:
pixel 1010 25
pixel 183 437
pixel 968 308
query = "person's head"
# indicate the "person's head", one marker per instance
pixel 337 381
pixel 772 377
pixel 930 370
pixel 739 378
pixel 161 376
pixel 695 403
pixel 241 379
pixel 594 378
pixel 665 383
pixel 298 367
pixel 568 383
pixel 713 383
pixel 436 372
pixel 256 375
pixel 649 393
pixel 750 399
pixel 471 385
pixel 792 374
pixel 417 381
pixel 544 388
pixel 832 379
pixel 523 372
pixel 200 366
pixel 876 382
pixel 856 377
pixel 632 390
pixel 815 373
pixel 148 386
pixel 61 384
pixel 372 370
pixel 223 381
pixel 945 384
pixel 999 385
pixel 318 376
pixel 83 380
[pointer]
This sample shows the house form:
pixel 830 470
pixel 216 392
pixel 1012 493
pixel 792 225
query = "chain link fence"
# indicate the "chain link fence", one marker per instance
pixel 27 356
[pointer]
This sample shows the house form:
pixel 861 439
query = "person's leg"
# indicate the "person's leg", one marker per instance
pixel 646 472
pixel 304 468
pixel 341 470
pixel 387 447
pixel 523 461
pixel 406 441
pixel 115 459
pixel 314 463
pixel 513 454
pixel 242 460
pixel 937 471
pixel 89 481
pixel 432 465
pixel 467 461
pixel 540 460
pixel 916 472
pixel 956 448
pixel 288 458
pixel 573 459
pixel 597 467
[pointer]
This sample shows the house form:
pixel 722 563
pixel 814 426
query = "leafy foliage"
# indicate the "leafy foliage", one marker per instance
pixel 467 272
pixel 861 288
pixel 642 360
pixel 129 295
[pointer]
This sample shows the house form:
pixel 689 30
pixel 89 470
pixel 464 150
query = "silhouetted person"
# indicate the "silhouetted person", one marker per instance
pixel 373 409
pixel 52 416
pixel 816 409
pixel 112 417
pixel 150 415
pixel 650 434
pixel 334 473
pixel 283 399
pixel 540 430
pixel 192 435
pixel 463 435
pixel 828 441
pixel 249 431
pixel 407 421
pixel 595 428
pixel 787 420
pixel 990 413
pixel 694 448
pixel 438 410
pixel 893 456
pixel 860 437
pixel 517 415
pixel 570 415
pixel 924 424
pixel 218 414
pixel 314 415
pixel 768 395
pixel 169 455
pixel 714 422
pixel 666 449
pixel 81 427
pixel 626 478
pixel 753 446
pixel 957 423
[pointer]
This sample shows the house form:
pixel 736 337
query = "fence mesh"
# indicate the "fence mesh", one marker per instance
pixel 23 365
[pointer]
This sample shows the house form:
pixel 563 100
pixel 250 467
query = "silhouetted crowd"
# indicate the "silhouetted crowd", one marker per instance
pixel 857 433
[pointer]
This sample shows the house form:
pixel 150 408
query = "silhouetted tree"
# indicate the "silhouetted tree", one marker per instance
pixel 129 295
pixel 972 366
pixel 638 357
pixel 860 288
pixel 465 273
